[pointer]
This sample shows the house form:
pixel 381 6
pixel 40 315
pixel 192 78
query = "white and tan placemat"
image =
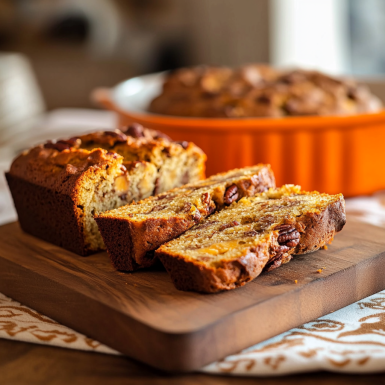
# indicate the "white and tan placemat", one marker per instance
pixel 349 340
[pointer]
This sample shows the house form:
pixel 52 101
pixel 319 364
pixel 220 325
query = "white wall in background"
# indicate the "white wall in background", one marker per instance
pixel 309 33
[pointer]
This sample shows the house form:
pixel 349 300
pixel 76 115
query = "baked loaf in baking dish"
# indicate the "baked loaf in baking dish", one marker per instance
pixel 131 233
pixel 58 187
pixel 233 246
pixel 260 91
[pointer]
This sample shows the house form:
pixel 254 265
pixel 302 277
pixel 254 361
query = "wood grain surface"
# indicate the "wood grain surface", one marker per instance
pixel 142 315
pixel 22 363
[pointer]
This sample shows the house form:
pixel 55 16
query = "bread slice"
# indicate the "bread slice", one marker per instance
pixel 257 234
pixel 132 232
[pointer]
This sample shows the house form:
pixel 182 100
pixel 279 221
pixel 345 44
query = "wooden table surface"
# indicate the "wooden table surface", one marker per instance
pixel 24 363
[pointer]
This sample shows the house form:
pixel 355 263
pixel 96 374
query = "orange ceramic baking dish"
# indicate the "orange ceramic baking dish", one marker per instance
pixel 330 153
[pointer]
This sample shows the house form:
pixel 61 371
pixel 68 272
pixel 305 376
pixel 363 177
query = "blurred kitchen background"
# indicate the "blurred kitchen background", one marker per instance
pixel 54 53
pixel 74 46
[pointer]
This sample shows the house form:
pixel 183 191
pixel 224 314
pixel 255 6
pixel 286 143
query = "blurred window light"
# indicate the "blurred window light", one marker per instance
pixel 310 34
pixel 367 36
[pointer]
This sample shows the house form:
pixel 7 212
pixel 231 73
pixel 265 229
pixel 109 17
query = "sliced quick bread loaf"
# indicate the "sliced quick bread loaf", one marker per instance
pixel 256 234
pixel 57 187
pixel 131 233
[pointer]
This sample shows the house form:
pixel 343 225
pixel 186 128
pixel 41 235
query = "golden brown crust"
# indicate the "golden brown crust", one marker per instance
pixel 60 170
pixel 316 230
pixel 51 164
pixel 64 228
pixel 192 276
pixel 130 245
pixel 319 229
pixel 45 186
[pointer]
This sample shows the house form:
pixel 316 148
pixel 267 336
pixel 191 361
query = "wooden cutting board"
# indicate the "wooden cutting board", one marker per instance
pixel 142 315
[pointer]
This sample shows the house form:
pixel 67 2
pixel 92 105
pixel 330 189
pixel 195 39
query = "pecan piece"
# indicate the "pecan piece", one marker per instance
pixel 135 130
pixel 228 225
pixel 161 135
pixel 210 204
pixel 187 206
pixel 264 99
pixel 231 194
pixel 212 208
pixel 205 224
pixel 156 187
pixel 61 145
pixel 167 151
pixel 185 177
pixel 113 154
pixel 251 233
pixel 277 262
pixel 183 143
pixel 157 208
pixel 288 237
pixel 197 216
pixel 118 136
pixel 206 198
pixel 73 142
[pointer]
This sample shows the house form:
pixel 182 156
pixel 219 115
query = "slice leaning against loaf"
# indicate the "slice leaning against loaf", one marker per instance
pixel 132 232
pixel 257 234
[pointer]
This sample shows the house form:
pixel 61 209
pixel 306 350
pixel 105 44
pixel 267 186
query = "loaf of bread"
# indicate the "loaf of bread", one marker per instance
pixel 131 233
pixel 233 246
pixel 58 187
pixel 260 91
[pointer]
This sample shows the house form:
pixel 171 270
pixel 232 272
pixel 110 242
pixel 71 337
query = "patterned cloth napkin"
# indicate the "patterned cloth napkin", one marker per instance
pixel 349 340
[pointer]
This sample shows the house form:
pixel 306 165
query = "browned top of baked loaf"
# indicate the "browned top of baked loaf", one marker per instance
pixel 259 90
pixel 59 170
pixel 54 163
pixel 134 143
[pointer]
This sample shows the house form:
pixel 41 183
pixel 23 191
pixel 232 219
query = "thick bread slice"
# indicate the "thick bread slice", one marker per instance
pixel 235 245
pixel 132 232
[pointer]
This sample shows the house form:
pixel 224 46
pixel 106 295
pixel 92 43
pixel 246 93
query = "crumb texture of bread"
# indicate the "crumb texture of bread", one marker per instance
pixel 92 173
pixel 257 90
pixel 255 234
pixel 132 232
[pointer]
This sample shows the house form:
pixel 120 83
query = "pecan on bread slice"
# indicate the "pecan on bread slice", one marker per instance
pixel 131 233
pixel 256 234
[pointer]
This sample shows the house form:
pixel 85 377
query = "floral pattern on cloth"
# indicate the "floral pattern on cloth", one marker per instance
pixel 349 340
pixel 21 323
